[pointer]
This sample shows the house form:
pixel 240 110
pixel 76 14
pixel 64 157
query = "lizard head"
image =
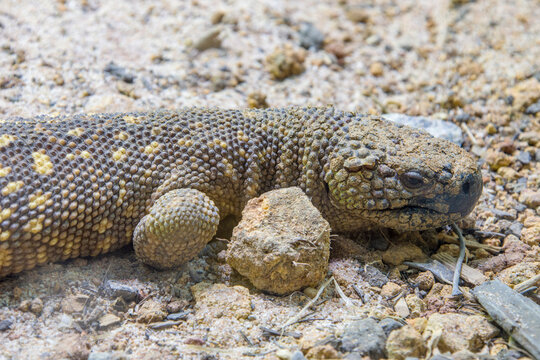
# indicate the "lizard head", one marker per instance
pixel 397 177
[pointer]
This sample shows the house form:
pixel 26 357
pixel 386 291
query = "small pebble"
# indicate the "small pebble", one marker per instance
pixel 74 303
pixel 310 292
pixel 405 342
pixel 310 36
pixel 401 252
pixel 297 355
pixel 524 157
pixel 507 173
pixel 401 308
pixel 257 100
pixel 376 69
pixel 217 17
pixel 164 325
pixel 491 129
pixel 503 214
pixel 209 39
pixel 389 325
pixel 36 306
pixel 178 316
pixel 365 337
pixel 338 50
pixel 531 137
pixel 151 311
pixel 425 280
pixel 285 62
pixel 533 109
pixel 115 289
pixel 516 228
pixel 530 197
pixel 113 355
pixel 373 276
pixel 176 306
pixel 323 352
pixel 108 321
pixel 390 290
pixel 357 14
pixel 5 325
pixel 119 72
pixel 284 354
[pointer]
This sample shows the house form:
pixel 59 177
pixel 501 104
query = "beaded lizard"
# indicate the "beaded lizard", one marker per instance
pixel 86 184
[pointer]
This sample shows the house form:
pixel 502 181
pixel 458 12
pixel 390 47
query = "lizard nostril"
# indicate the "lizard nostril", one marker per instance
pixel 466 187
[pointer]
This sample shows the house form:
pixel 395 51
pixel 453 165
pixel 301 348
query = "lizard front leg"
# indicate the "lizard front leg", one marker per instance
pixel 177 227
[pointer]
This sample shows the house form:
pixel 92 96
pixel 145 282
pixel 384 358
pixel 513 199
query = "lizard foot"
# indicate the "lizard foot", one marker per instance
pixel 177 227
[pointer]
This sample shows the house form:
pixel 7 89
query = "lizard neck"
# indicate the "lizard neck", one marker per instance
pixel 300 139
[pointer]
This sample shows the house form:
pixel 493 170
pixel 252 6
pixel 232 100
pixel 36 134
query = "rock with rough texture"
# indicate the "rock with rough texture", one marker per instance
pixel 530 197
pixel 116 289
pixel 108 321
pixel 219 300
pixel 282 243
pixel 70 346
pixel 322 352
pixel 531 235
pixel 425 280
pixel 460 332
pixel 34 306
pixel 390 289
pixel 401 308
pixel 5 325
pixel 297 355
pixel 209 39
pixel 388 325
pixel 365 338
pixel 436 127
pixel 372 275
pixel 518 273
pixel 310 37
pixel 285 62
pixel 415 304
pixel 114 355
pixel 151 311
pixel 405 342
pixel 74 303
pixel 401 252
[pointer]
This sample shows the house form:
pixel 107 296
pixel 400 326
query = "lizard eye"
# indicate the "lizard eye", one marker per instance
pixel 412 180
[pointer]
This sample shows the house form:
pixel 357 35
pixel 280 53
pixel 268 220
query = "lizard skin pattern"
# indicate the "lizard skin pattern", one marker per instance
pixel 86 184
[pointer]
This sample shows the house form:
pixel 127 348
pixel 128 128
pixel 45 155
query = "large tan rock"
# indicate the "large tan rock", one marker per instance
pixel 282 243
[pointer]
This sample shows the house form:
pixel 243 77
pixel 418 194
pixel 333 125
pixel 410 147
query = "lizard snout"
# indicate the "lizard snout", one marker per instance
pixel 470 189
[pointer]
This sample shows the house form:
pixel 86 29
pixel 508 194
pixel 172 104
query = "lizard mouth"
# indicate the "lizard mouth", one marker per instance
pixel 447 206
pixel 412 218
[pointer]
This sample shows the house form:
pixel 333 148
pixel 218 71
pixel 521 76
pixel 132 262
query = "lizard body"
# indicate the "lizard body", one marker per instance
pixel 83 185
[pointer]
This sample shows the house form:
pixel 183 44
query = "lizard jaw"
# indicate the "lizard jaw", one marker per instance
pixel 411 218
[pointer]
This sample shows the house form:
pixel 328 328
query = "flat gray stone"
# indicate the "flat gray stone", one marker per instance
pixel 516 314
pixel 365 338
pixel 436 127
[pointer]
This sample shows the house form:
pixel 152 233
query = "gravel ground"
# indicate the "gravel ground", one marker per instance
pixel 476 63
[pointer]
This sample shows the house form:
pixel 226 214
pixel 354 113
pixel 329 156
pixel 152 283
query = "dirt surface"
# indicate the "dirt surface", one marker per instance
pixel 474 63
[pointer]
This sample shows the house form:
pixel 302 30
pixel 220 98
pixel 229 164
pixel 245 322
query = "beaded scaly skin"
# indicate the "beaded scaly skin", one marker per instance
pixel 87 184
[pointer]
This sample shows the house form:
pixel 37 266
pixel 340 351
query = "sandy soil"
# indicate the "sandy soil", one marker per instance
pixel 474 63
